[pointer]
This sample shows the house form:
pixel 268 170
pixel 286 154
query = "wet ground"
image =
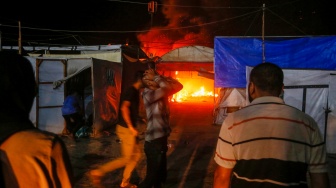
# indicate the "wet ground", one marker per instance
pixel 190 156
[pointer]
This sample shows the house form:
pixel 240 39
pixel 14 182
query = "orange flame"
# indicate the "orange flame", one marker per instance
pixel 195 88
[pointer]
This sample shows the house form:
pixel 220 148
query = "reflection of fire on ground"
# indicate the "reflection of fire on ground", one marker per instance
pixel 195 88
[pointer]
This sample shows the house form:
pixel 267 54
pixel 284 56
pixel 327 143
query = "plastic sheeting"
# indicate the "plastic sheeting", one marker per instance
pixel 233 54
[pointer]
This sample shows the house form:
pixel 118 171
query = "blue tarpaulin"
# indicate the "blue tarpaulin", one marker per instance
pixel 233 54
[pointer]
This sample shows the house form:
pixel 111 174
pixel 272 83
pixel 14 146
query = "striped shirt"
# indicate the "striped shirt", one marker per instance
pixel 157 107
pixel 270 144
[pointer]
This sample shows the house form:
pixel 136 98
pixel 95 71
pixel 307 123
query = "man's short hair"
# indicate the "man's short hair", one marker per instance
pixel 17 83
pixel 268 77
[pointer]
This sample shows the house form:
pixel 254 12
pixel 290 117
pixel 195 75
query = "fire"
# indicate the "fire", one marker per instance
pixel 202 93
pixel 195 88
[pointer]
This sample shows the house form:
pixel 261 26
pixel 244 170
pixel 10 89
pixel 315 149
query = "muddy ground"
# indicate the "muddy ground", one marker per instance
pixel 190 157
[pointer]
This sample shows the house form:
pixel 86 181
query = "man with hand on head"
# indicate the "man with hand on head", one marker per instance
pixel 270 144
pixel 155 97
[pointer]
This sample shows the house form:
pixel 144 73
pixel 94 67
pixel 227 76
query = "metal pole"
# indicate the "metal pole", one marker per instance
pixel 20 51
pixel 263 34
pixel 0 40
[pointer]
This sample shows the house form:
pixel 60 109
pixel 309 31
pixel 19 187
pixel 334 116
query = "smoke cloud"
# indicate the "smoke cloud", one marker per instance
pixel 184 23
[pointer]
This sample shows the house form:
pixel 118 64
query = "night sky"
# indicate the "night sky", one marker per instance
pixel 175 24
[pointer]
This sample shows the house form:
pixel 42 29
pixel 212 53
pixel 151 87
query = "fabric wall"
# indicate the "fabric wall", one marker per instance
pixel 46 111
pixel 106 83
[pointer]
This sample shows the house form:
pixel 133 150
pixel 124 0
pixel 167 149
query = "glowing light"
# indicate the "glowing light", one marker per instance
pixel 184 95
pixel 195 88
pixel 202 93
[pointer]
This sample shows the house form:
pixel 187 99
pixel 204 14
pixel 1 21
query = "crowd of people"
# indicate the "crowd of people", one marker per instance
pixel 265 144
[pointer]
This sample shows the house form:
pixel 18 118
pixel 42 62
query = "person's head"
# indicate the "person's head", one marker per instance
pixel 17 84
pixel 151 65
pixel 266 79
pixel 149 83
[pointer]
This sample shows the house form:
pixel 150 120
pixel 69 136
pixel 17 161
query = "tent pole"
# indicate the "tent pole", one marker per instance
pixel 19 40
pixel 263 34
pixel 326 112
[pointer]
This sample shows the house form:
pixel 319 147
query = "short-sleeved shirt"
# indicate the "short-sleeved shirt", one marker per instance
pixel 270 143
pixel 133 96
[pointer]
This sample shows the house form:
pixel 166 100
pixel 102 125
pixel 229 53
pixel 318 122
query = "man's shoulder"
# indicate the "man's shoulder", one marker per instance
pixel 34 135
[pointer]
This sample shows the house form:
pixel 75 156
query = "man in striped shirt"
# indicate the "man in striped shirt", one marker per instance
pixel 268 143
pixel 155 97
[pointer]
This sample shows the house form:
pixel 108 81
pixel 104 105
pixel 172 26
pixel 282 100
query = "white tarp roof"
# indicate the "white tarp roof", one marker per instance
pixel 190 54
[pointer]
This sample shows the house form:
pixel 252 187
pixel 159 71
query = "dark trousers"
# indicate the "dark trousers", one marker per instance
pixel 73 122
pixel 156 174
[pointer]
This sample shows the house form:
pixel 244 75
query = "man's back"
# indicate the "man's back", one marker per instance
pixel 29 160
pixel 29 157
pixel 274 144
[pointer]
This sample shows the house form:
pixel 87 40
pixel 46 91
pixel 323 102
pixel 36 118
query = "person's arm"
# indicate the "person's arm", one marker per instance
pixel 319 180
pixel 166 85
pixel 126 113
pixel 172 84
pixel 222 177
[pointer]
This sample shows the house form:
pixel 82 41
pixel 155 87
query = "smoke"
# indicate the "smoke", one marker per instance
pixel 184 23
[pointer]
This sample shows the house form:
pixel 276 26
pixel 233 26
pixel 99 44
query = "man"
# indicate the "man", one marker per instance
pixel 155 97
pixel 268 143
pixel 72 112
pixel 29 157
pixel 128 135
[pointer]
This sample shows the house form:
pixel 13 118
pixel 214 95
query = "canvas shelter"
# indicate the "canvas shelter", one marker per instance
pixel 187 58
pixel 102 72
pixel 309 65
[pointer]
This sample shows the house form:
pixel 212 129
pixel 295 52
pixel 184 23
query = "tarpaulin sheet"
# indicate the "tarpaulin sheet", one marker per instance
pixel 233 54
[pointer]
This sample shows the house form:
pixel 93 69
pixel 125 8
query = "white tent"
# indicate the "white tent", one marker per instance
pixel 188 58
pixel 50 72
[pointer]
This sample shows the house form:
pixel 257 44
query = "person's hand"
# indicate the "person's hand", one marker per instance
pixel 134 131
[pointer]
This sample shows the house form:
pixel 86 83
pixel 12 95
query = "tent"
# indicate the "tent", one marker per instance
pixel 309 65
pixel 187 58
pixel 100 74
pixel 193 67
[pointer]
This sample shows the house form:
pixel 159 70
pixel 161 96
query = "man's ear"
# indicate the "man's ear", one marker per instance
pixel 251 88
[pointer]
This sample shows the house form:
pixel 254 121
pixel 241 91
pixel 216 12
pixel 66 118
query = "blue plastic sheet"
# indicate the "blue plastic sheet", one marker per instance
pixel 233 54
